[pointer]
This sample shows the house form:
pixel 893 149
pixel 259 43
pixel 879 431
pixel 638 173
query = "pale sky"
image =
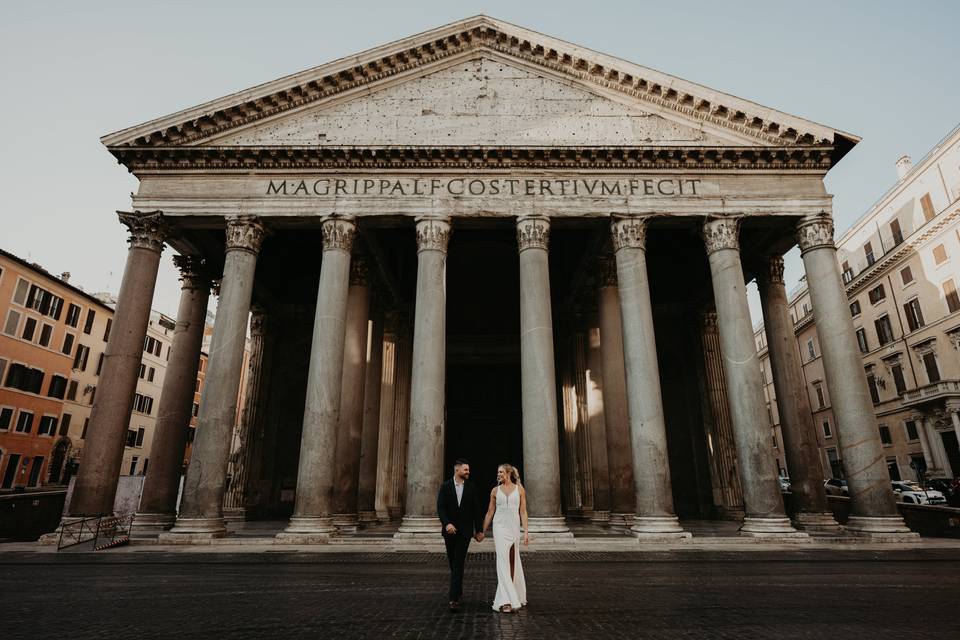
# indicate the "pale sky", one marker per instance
pixel 74 71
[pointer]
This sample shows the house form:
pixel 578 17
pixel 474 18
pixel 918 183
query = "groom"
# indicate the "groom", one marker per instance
pixel 461 516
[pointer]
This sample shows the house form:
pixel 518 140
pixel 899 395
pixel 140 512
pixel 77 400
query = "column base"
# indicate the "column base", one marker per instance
pixel 658 527
pixel 383 515
pixel 345 522
pixel 817 522
pixel 600 517
pixel 234 514
pixel 549 529
pixel 187 528
pixel 148 523
pixel 308 530
pixel 367 518
pixel 890 528
pixel 774 527
pixel 424 529
pixel 621 519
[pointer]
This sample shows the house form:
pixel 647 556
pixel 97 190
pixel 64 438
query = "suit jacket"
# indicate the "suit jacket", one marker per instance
pixel 467 517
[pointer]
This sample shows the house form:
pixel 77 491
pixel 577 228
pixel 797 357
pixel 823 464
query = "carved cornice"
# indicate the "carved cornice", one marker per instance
pixel 433 234
pixel 245 233
pixel 148 229
pixel 693 102
pixel 771 271
pixel 629 233
pixel 721 233
pixel 358 272
pixel 607 270
pixel 533 232
pixel 338 234
pixel 621 158
pixel 193 272
pixel 815 232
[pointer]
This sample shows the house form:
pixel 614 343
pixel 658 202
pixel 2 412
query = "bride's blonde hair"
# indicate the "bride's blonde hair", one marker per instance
pixel 512 472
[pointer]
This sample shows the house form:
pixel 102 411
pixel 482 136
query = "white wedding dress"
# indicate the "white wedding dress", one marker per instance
pixel 506 538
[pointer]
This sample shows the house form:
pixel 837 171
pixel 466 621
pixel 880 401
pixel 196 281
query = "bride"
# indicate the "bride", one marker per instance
pixel 508 509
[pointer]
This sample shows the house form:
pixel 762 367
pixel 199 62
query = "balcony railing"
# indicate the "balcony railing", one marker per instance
pixel 933 391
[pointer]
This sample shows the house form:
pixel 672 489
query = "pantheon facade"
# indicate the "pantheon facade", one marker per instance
pixel 483 242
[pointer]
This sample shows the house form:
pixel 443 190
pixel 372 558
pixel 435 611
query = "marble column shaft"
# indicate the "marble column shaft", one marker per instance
pixel 928 460
pixel 425 469
pixel 201 507
pixel 598 429
pixel 401 423
pixel 385 444
pixel 763 503
pixel 941 463
pixel 812 511
pixel 623 496
pixel 315 472
pixel 158 501
pixel 370 435
pixel 953 409
pixel 655 513
pixel 96 485
pixel 873 510
pixel 541 454
pixel 350 426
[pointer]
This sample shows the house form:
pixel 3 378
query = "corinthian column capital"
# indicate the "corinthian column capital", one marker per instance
pixel 148 229
pixel 771 271
pixel 433 234
pixel 721 233
pixel 193 272
pixel 338 234
pixel 629 233
pixel 814 232
pixel 245 233
pixel 533 232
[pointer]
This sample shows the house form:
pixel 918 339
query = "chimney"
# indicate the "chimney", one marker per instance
pixel 904 166
pixel 65 276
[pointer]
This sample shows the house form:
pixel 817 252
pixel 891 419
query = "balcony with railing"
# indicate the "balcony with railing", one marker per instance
pixel 942 390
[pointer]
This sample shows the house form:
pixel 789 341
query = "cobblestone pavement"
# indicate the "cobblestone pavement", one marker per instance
pixel 786 594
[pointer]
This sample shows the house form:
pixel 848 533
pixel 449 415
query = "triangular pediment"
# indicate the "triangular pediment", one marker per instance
pixel 476 82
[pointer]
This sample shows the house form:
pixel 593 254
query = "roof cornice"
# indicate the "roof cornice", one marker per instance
pixel 481 33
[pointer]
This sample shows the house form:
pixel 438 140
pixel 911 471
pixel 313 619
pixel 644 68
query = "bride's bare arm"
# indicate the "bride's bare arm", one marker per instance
pixel 523 515
pixel 491 509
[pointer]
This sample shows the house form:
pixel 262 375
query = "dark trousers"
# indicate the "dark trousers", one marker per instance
pixel 457 546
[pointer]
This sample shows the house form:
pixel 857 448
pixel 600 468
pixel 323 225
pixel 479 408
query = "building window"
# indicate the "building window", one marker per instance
pixel 930 364
pixel 862 340
pixel 24 378
pixel 142 404
pixel 893 469
pixel 100 363
pixel 152 346
pixel 58 387
pixel 914 314
pixel 73 316
pixel 939 254
pixel 35 471
pixel 135 438
pixel 833 459
pixel 3 367
pixel 80 359
pixel 847 272
pixel 906 274
pixel 20 295
pixel 896 370
pixel 24 421
pixel 896 232
pixel 47 426
pixel 827 432
pixel 885 438
pixel 28 329
pixel 142 371
pixel 44 302
pixel 46 333
pixel 133 465
pixel 13 321
pixel 811 352
pixel 106 332
pixel 868 254
pixel 67 348
pixel 911 428
pixel 13 463
pixel 191 434
pixel 818 391
pixel 884 329
pixel 950 293
pixel 196 409
pixel 150 373
pixel 926 203
pixel 83 432
pixel 65 424
pixel 6 417
pixel 93 395
pixel 88 325
pixel 872 385
pixel 877 294
pixel 72 390
pixel 855 308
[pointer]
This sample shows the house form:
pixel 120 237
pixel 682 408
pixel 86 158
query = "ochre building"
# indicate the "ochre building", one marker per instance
pixel 481 241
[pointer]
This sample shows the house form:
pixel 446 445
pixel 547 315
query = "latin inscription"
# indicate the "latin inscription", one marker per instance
pixel 467 187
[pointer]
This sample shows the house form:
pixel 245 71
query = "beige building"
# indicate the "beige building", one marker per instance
pixel 901 268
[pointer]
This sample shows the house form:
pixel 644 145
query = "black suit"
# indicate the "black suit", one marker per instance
pixel 467 517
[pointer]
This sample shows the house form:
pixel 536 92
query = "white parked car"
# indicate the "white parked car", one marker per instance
pixel 913 493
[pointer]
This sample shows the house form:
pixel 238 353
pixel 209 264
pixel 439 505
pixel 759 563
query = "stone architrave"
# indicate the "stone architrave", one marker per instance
pixel 201 507
pixel 873 510
pixel 541 455
pixel 369 437
pixel 313 508
pixel 763 503
pixel 811 509
pixel 158 500
pixel 350 427
pixel 96 484
pixel 655 515
pixel 428 383
pixel 623 491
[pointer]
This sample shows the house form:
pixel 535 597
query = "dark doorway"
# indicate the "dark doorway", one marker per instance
pixel 952 448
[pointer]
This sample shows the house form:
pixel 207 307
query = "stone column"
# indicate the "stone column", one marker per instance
pixel 623 497
pixel 953 408
pixel 919 420
pixel 811 509
pixel 385 443
pixel 401 424
pixel 538 382
pixel 584 457
pixel 598 429
pixel 941 463
pixel 158 501
pixel 655 515
pixel 96 484
pixel 312 511
pixel 347 460
pixel 873 510
pixel 425 469
pixel 247 466
pixel 763 503
pixel 370 434
pixel 201 507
